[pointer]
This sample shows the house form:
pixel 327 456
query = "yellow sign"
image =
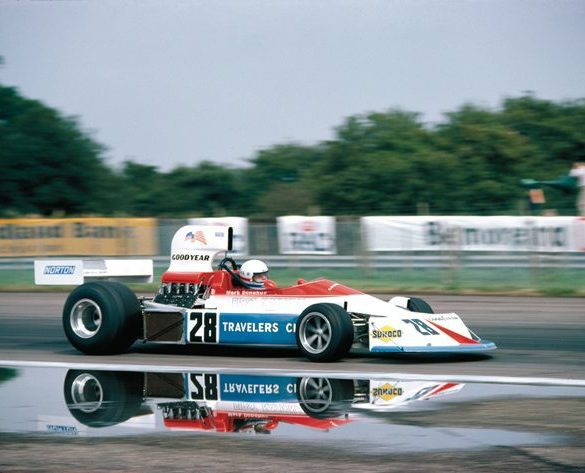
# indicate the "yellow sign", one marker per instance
pixel 78 237
pixel 386 333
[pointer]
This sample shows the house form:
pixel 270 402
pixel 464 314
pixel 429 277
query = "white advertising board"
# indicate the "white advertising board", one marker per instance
pixel 239 225
pixel 306 235
pixel 58 272
pixel 502 233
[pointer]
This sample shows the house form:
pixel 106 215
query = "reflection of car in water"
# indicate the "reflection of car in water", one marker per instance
pixel 103 398
pixel 225 402
pixel 202 301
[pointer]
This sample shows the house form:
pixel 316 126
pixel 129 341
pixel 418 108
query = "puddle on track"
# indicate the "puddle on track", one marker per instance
pixel 365 415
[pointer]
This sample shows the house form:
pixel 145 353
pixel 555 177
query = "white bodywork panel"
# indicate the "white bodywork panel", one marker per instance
pixel 390 328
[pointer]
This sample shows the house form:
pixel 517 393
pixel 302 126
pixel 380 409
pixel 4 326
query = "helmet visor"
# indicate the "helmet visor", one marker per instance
pixel 260 277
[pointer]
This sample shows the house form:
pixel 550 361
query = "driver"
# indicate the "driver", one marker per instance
pixel 254 273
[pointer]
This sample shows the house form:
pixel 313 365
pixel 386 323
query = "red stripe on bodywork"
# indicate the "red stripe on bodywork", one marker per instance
pixel 443 388
pixel 455 336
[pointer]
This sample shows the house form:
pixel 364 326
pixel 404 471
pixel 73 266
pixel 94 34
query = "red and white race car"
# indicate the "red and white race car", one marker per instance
pixel 202 300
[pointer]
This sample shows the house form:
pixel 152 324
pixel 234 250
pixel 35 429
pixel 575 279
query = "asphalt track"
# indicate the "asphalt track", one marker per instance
pixel 536 338
pixel 539 340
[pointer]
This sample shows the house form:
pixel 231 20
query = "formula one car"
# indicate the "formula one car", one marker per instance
pixel 202 300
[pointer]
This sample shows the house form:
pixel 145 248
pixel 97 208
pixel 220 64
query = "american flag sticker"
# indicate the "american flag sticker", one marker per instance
pixel 198 236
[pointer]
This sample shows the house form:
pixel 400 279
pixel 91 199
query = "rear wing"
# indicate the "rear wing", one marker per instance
pixel 73 272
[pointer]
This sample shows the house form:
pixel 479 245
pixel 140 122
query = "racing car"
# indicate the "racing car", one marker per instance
pixel 202 300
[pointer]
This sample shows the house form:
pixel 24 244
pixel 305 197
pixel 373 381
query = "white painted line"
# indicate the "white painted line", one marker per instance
pixel 304 373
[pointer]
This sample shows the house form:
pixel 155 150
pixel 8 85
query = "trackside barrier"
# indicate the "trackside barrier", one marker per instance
pixel 385 261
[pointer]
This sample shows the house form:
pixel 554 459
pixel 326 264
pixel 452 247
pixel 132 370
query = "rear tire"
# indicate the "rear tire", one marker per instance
pixel 324 332
pixel 101 318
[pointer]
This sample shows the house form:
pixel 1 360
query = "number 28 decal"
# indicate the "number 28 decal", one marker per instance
pixel 421 327
pixel 202 327
pixel 203 386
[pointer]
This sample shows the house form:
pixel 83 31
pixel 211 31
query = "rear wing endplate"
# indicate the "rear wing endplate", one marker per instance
pixel 73 272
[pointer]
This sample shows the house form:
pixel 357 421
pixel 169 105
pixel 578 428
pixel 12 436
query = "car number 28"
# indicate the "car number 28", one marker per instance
pixel 202 327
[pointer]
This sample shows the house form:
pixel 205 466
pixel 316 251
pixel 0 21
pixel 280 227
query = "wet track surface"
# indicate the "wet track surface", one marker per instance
pixel 178 408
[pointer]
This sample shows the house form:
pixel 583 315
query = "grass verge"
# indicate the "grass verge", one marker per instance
pixel 550 282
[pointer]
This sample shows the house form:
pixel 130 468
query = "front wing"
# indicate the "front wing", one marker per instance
pixel 423 333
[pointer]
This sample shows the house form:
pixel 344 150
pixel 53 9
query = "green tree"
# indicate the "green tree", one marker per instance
pixel 205 190
pixel 47 163
pixel 378 163
pixel 369 168
pixel 279 180
pixel 141 189
pixel 490 156
pixel 557 130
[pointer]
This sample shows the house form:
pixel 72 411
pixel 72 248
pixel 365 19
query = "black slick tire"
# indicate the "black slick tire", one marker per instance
pixel 101 318
pixel 419 305
pixel 324 332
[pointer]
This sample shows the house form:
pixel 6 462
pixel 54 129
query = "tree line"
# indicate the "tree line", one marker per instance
pixel 378 163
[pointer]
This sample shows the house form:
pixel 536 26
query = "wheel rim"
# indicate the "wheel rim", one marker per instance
pixel 86 318
pixel 315 332
pixel 87 393
pixel 316 394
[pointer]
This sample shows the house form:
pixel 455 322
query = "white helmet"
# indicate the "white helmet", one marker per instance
pixel 253 273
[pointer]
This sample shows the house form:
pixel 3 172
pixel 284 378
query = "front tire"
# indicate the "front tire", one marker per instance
pixel 324 332
pixel 419 305
pixel 101 318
